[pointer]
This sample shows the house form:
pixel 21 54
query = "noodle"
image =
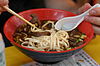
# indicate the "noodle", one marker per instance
pixel 51 42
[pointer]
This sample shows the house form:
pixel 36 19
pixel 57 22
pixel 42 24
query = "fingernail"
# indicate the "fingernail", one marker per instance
pixel 93 12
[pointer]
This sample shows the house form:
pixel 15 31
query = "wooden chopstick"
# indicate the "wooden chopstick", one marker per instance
pixel 17 15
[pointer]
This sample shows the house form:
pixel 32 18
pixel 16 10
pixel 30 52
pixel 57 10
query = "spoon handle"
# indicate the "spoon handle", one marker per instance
pixel 86 12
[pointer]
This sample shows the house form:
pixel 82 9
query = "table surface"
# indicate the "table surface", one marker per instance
pixel 15 58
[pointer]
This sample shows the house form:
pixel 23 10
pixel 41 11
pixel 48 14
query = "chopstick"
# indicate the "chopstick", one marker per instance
pixel 17 15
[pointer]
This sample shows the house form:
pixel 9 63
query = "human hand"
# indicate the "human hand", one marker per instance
pixel 93 17
pixel 0 37
pixel 3 3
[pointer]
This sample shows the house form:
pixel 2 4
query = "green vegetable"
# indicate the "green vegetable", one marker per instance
pixel 69 48
pixel 83 36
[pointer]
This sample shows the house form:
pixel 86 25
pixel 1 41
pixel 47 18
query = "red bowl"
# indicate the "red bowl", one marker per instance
pixel 46 14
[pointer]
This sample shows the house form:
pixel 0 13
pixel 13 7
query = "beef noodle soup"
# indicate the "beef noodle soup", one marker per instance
pixel 44 37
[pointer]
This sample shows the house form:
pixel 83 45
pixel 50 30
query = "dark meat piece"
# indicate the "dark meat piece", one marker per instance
pixel 74 37
pixel 75 32
pixel 49 26
pixel 20 35
pixel 74 44
pixel 35 20
pixel 23 28
pixel 37 34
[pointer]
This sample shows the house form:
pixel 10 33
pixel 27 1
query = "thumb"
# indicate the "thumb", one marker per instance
pixel 84 8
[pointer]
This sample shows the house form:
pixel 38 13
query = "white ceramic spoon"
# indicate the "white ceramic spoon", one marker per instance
pixel 70 23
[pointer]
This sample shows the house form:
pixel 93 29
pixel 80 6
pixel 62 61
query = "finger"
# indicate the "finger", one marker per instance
pixel 0 36
pixel 84 8
pixel 4 2
pixel 93 19
pixel 95 12
pixel 2 9
pixel 96 30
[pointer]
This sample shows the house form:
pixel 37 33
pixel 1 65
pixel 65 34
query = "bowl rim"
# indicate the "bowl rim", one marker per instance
pixel 18 45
